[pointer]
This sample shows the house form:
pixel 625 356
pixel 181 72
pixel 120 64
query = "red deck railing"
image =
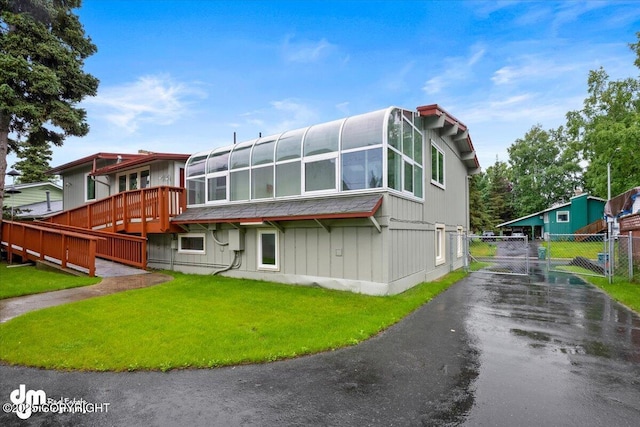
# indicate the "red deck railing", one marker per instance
pixel 122 248
pixel 148 210
pixel 32 242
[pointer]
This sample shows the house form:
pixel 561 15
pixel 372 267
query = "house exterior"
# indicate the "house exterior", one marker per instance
pixel 102 175
pixel 367 203
pixel 567 218
pixel 34 200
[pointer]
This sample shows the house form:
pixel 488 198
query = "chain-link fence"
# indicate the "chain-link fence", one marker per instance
pixel 626 257
pixel 499 254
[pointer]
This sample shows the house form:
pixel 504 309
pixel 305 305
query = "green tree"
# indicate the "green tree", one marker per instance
pixel 497 194
pixel 544 170
pixel 35 157
pixel 607 130
pixel 42 51
pixel 479 218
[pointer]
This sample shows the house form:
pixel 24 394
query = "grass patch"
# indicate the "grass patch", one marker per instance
pixel 482 249
pixel 203 322
pixel 570 250
pixel 620 290
pixel 18 281
pixel 479 265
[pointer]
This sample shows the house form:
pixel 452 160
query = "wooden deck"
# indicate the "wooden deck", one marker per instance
pixel 113 228
pixel 144 211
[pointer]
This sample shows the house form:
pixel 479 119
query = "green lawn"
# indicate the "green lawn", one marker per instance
pixel 203 321
pixel 569 250
pixel 482 249
pixel 621 289
pixel 25 280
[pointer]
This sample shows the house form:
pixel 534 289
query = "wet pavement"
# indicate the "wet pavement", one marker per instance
pixel 491 350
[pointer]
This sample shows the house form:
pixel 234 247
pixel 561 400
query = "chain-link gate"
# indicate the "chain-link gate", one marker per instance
pixel 584 254
pixel 499 254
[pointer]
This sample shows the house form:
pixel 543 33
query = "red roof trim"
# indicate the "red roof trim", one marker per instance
pixel 141 159
pixel 436 110
pixel 90 159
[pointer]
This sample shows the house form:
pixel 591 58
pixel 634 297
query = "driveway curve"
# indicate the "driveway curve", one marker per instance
pixel 491 350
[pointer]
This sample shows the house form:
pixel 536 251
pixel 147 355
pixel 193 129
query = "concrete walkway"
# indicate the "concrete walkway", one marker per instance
pixel 116 278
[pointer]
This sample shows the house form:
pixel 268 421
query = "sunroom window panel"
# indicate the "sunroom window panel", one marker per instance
pixel 263 152
pixel 196 166
pixel 195 191
pixel 417 147
pixel 320 175
pixel 407 139
pixel 288 179
pixel 364 130
pixel 262 182
pixel 408 177
pixel 322 138
pixel 394 129
pixel 239 185
pixel 289 145
pixel 240 155
pixel 218 162
pixel 362 169
pixel 394 172
pixel 217 188
pixel 417 181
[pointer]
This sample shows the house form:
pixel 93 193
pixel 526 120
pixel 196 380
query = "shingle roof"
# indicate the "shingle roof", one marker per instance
pixel 285 210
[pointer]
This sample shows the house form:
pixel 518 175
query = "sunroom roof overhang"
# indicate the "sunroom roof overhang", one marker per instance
pixel 364 206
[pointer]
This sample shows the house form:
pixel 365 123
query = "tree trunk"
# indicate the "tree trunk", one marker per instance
pixel 4 148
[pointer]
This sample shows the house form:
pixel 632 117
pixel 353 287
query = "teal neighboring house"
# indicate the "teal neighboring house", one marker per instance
pixel 568 218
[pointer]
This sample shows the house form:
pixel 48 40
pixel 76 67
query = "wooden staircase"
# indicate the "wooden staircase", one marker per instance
pixel 596 227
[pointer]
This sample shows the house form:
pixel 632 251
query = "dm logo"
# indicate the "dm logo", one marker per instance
pixel 25 400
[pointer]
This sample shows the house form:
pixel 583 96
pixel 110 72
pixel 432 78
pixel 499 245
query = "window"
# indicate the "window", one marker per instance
pixel 240 185
pixel 217 188
pixel 320 175
pixel 288 179
pixel 262 182
pixel 134 180
pixel 546 217
pixel 437 165
pixel 191 243
pixel 362 169
pixel 268 250
pixel 89 188
pixel 459 241
pixel 562 216
pixel 195 191
pixel 440 244
pixel 404 154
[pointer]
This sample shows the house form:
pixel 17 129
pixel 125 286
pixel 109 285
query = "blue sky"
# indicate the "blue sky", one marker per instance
pixel 182 76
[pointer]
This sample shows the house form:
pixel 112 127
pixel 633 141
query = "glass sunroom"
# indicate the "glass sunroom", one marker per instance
pixel 378 150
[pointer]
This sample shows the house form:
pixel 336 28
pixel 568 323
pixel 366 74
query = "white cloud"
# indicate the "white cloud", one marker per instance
pixel 151 99
pixel 280 116
pixel 306 51
pixel 456 69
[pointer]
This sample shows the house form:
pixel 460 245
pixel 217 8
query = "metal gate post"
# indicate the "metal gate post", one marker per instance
pixel 630 255
pixel 526 256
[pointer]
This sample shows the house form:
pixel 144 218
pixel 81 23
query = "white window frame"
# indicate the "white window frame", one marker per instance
pixel 459 241
pixel 444 167
pixel 132 171
pixel 271 267
pixel 546 218
pixel 558 213
pixel 192 236
pixel 87 177
pixel 206 187
pixel 440 247
pixel 334 155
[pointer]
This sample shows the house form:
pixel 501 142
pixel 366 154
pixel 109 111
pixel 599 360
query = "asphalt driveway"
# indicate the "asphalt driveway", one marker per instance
pixel 492 350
